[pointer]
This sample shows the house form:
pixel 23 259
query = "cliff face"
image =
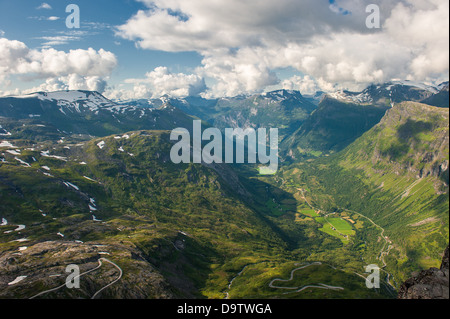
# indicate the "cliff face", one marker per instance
pixel 429 284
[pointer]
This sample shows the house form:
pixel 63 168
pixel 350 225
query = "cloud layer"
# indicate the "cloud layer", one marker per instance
pixel 70 70
pixel 160 82
pixel 245 46
pixel 244 42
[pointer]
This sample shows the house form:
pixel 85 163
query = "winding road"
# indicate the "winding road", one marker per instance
pixel 227 294
pixel 100 263
pixel 300 289
pixel 231 282
pixel 292 277
pixel 383 252
pixel 112 283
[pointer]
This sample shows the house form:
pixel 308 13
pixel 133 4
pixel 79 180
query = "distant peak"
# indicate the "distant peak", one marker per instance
pixel 283 92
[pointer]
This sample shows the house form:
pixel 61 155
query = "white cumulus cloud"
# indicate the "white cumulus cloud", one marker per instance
pixel 71 82
pixel 17 59
pixel 305 84
pixel 243 43
pixel 44 5
pixel 161 82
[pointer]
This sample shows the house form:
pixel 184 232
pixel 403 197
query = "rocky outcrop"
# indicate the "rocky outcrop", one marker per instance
pixel 42 267
pixel 429 284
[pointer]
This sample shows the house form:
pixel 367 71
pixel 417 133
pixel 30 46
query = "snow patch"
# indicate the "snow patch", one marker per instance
pixel 17 280
pixel 7 144
pixel 6 133
pixel 16 152
pixel 101 145
pixel 47 154
pixel 19 240
pixel 22 162
pixel 20 227
pixel 71 185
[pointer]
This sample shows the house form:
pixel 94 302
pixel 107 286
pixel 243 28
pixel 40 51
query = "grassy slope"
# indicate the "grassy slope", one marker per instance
pixel 187 198
pixel 331 128
pixel 184 221
pixel 390 175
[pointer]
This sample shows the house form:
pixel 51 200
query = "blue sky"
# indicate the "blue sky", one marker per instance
pixel 147 48
pixel 22 20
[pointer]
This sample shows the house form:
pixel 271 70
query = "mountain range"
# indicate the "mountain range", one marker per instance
pixel 89 181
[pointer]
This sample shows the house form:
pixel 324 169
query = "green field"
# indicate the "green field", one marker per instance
pixel 342 226
pixel 336 227
pixel 309 212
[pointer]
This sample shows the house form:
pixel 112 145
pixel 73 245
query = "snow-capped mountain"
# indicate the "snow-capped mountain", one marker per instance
pixel 281 108
pixel 389 93
pixel 77 101
pixel 86 112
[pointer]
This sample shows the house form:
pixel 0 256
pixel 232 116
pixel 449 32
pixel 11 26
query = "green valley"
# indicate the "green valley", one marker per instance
pixel 396 175
pixel 140 226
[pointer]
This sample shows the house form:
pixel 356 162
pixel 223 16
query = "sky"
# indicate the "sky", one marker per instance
pixel 140 49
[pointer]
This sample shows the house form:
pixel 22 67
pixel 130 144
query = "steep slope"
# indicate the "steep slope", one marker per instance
pixel 396 174
pixel 281 109
pixel 428 284
pixel 332 127
pixel 440 99
pixel 387 94
pixel 174 230
pixel 139 226
pixel 193 105
pixel 343 116
pixel 116 204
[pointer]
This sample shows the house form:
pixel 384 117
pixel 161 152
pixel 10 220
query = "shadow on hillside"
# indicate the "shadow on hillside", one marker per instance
pixel 407 134
pixel 271 203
